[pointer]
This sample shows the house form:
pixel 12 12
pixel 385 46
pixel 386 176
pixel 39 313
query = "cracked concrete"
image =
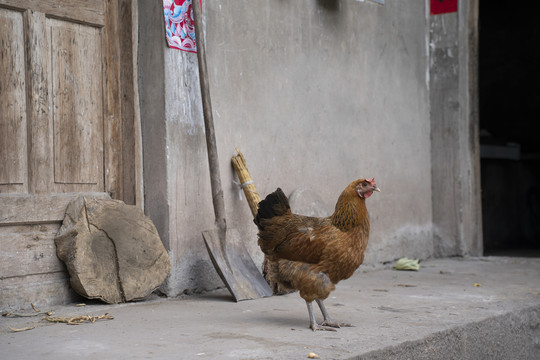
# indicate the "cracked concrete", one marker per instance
pixel 435 313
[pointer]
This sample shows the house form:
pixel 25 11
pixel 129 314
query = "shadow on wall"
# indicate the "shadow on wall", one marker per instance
pixel 331 5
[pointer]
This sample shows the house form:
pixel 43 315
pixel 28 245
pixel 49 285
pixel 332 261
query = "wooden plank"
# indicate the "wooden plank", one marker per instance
pixel 13 166
pixel 40 289
pixel 29 209
pixel 128 103
pixel 29 249
pixel 112 104
pixel 138 162
pixel 38 101
pixel 77 103
pixel 90 12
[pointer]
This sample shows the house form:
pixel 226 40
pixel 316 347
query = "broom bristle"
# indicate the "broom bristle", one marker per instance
pixel 246 182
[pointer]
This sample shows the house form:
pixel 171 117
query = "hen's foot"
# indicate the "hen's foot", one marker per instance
pixel 333 324
pixel 317 327
pixel 327 320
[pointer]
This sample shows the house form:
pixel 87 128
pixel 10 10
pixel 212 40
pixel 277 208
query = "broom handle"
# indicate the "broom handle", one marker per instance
pixel 213 161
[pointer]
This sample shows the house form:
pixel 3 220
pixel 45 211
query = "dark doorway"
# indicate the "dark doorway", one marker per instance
pixel 509 83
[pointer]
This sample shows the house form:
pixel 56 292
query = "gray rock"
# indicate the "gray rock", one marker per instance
pixel 112 250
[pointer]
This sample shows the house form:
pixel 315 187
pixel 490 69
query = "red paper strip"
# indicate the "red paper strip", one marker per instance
pixel 443 6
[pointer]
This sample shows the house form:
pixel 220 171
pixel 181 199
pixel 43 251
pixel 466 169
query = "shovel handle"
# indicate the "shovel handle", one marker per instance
pixel 213 161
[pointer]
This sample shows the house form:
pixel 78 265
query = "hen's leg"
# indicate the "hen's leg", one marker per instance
pixel 313 324
pixel 327 320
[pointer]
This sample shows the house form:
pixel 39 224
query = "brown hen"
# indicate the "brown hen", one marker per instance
pixel 313 254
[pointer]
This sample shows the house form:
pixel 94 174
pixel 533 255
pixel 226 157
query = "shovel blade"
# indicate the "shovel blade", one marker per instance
pixel 235 266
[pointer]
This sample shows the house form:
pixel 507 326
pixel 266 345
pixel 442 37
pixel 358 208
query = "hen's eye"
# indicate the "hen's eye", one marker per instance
pixel 365 183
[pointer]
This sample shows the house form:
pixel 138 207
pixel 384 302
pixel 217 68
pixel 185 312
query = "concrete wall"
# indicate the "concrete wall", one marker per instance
pixel 315 94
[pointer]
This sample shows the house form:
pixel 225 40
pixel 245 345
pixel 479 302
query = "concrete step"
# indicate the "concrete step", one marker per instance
pixel 472 308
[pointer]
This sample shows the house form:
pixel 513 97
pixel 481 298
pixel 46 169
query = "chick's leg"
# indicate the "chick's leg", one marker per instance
pixel 313 324
pixel 327 320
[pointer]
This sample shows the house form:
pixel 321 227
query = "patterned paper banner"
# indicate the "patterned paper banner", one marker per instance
pixel 179 25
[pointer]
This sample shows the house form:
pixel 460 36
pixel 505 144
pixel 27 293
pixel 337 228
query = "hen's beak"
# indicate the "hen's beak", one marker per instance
pixel 375 188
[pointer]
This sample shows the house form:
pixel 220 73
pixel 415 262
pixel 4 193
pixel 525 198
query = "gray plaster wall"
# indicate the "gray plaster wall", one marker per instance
pixel 315 94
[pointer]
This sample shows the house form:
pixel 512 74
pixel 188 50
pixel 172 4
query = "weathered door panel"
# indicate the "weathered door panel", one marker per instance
pixel 13 127
pixel 77 106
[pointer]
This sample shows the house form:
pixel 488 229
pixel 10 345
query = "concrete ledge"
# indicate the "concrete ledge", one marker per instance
pixel 435 313
pixel 515 335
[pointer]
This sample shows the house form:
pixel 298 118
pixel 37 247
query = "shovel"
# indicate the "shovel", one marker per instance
pixel 227 251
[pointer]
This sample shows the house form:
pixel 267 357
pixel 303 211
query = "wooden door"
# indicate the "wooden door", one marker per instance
pixel 60 132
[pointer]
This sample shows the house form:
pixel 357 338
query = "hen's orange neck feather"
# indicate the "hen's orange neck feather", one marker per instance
pixel 350 210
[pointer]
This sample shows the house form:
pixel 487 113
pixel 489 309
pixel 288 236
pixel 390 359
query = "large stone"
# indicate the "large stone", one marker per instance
pixel 112 250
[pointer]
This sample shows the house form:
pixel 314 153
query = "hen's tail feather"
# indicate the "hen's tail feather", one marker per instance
pixel 275 204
